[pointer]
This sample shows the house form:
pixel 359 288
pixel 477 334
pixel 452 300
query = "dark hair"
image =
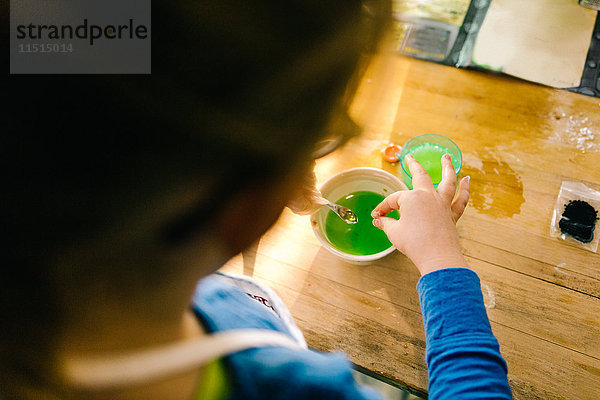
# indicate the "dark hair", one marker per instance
pixel 238 90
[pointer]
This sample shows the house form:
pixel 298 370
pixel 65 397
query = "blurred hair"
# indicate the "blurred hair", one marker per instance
pixel 239 91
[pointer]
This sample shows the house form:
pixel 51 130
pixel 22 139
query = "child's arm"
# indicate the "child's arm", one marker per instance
pixel 463 356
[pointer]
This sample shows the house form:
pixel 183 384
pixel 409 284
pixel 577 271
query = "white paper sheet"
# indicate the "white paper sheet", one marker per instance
pixel 544 41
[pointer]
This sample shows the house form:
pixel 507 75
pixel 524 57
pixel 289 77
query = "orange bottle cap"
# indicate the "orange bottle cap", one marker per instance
pixel 389 153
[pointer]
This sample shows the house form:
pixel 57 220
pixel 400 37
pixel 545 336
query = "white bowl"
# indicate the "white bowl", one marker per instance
pixel 348 181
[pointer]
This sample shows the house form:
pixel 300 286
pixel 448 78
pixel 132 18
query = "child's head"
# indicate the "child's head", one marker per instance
pixel 119 192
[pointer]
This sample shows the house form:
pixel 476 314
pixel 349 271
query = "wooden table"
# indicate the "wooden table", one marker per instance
pixel 519 142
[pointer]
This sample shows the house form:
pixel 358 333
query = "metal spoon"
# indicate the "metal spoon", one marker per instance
pixel 346 214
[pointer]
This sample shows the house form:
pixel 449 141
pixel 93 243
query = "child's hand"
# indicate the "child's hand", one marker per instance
pixel 306 199
pixel 426 231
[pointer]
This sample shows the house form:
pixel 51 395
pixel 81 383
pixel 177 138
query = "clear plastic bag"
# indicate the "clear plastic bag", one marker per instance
pixel 575 216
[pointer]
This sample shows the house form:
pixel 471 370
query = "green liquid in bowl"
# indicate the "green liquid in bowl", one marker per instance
pixel 361 238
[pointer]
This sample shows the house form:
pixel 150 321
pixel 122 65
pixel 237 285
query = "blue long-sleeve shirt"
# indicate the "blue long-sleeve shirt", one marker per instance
pixel 463 356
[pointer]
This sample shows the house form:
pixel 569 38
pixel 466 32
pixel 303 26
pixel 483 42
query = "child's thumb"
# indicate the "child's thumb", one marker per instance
pixel 383 223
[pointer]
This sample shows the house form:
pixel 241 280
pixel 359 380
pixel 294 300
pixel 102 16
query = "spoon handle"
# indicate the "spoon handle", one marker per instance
pixel 344 213
pixel 321 200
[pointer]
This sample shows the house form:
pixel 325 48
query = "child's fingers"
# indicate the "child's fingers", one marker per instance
pixel 389 204
pixel 447 186
pixel 384 223
pixel 462 198
pixel 420 177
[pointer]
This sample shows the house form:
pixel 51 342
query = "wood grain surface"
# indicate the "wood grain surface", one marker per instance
pixel 519 142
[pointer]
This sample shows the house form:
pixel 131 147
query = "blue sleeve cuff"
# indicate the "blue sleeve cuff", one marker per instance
pixel 452 304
